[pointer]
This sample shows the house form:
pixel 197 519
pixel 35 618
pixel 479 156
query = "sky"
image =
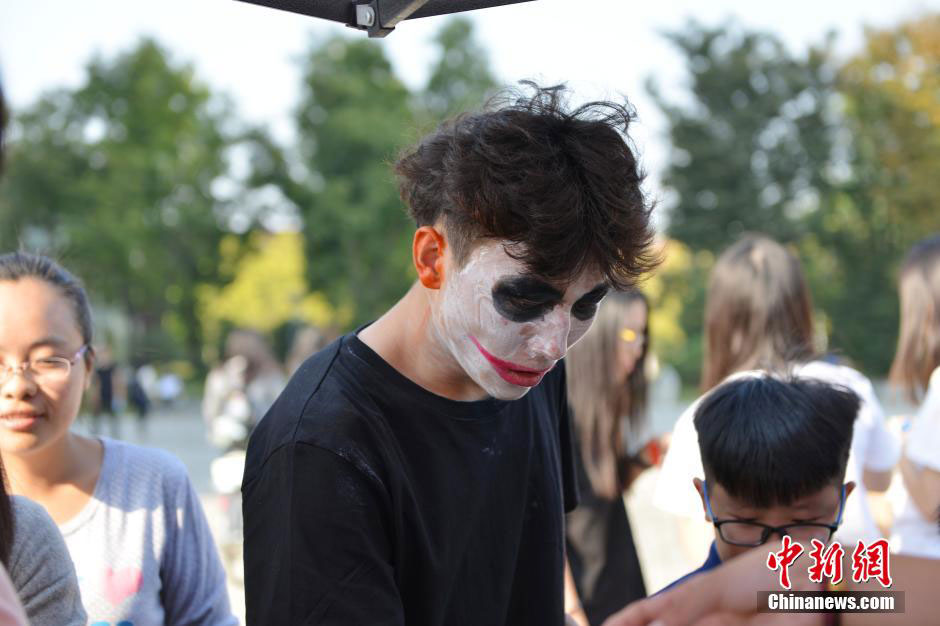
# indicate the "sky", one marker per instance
pixel 599 47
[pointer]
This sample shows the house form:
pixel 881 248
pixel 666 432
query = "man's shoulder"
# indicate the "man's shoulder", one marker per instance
pixel 320 405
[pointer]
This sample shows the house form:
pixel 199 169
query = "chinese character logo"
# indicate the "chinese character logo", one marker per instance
pixel 826 563
pixel 782 560
pixel 871 562
pixel 867 562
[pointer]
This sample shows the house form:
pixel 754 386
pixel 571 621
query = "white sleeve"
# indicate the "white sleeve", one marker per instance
pixel 883 450
pixel 675 492
pixel 923 439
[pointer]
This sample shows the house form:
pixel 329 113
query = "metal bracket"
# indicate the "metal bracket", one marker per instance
pixel 379 17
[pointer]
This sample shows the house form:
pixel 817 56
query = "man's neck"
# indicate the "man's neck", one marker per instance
pixel 404 337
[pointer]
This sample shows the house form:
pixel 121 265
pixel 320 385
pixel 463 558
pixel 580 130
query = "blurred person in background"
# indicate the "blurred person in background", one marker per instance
pixel 132 522
pixel 169 388
pixel 104 383
pixel 307 341
pixel 241 389
pixel 137 398
pixel 917 367
pixel 607 397
pixel 758 315
pixel 238 393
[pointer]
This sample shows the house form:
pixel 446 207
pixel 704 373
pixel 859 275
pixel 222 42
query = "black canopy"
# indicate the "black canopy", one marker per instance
pixel 378 17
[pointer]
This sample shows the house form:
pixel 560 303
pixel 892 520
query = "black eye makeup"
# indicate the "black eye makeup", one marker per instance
pixel 586 306
pixel 524 298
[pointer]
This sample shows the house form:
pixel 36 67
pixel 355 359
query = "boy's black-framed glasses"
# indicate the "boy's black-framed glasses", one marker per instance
pixel 753 534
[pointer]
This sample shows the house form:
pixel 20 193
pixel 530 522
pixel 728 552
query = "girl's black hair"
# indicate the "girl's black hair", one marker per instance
pixel 16 266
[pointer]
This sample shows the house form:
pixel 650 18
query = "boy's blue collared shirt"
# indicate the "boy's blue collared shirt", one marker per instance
pixel 710 563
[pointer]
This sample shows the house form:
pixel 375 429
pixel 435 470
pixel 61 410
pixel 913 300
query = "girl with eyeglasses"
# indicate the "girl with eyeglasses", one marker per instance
pixel 129 515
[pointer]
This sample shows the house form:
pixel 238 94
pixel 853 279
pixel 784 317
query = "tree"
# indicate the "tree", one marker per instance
pixel 751 152
pixel 889 198
pixel 354 117
pixel 461 78
pixel 847 153
pixel 116 177
pixel 268 290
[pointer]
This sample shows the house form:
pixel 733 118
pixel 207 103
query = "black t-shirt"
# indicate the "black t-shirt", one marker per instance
pixel 370 500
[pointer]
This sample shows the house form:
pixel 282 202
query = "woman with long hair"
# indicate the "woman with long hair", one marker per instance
pixel 129 515
pixel 607 394
pixel 917 367
pixel 758 315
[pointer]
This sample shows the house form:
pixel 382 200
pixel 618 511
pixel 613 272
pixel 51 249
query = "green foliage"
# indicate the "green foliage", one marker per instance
pixel 353 119
pixel 125 178
pixel 461 77
pixel 116 178
pixel 836 160
pixel 890 91
pixel 749 153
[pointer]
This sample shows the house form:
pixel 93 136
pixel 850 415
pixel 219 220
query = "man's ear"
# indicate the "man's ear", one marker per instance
pixel 427 251
pixel 700 488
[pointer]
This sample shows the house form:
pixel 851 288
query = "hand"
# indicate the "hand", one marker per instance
pixel 726 595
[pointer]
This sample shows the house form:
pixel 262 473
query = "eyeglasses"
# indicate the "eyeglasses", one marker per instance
pixel 49 370
pixel 753 534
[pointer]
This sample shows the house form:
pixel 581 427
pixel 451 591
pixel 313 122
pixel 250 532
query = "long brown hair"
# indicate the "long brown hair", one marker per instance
pixel 598 401
pixel 918 351
pixel 758 311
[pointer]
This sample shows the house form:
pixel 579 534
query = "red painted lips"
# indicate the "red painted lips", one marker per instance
pixel 510 372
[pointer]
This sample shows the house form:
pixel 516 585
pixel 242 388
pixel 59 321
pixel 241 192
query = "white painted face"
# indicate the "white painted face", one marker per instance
pixel 507 328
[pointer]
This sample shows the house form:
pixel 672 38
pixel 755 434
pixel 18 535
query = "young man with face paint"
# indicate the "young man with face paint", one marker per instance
pixel 417 471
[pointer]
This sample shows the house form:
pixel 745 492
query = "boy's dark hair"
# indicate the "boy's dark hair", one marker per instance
pixel 769 441
pixel 563 186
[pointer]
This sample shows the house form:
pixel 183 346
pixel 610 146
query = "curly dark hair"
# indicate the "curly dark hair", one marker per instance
pixel 561 186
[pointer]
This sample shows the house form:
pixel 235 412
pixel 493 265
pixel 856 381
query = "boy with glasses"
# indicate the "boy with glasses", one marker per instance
pixel 774 452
